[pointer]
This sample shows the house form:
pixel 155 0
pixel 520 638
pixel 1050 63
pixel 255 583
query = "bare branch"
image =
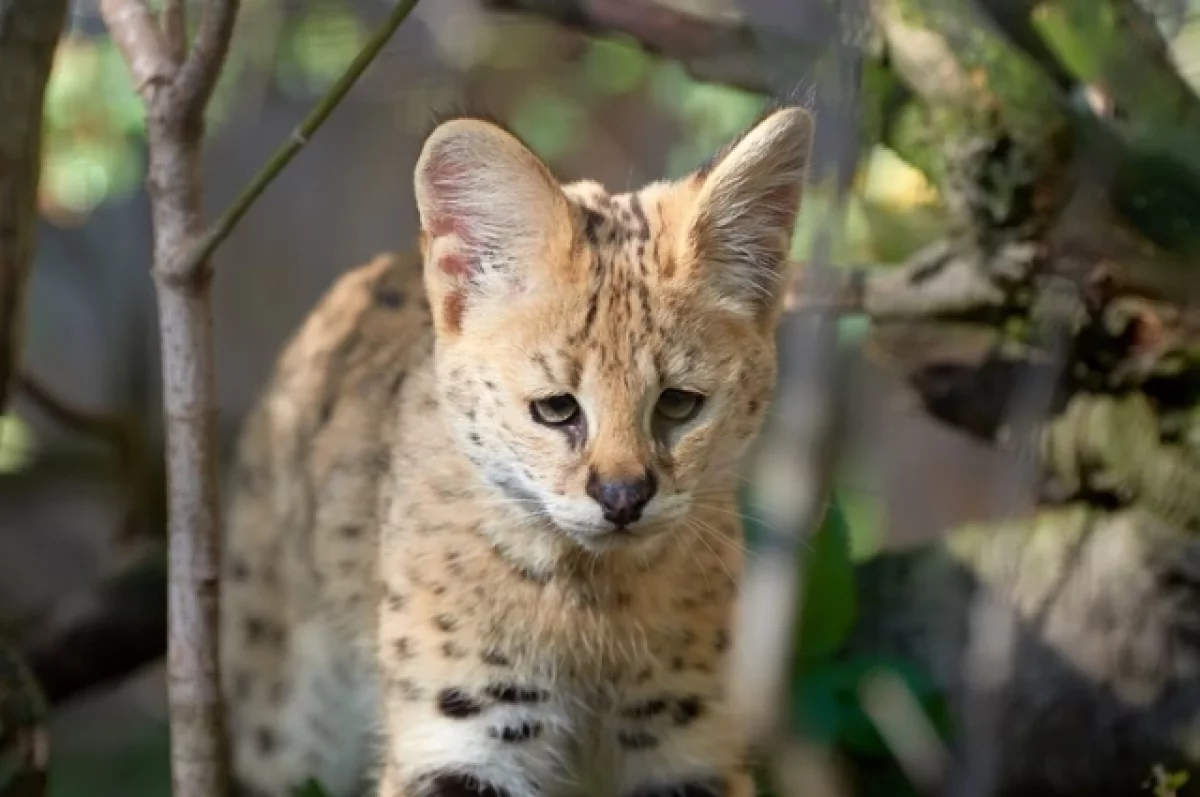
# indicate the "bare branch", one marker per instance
pixel 174 25
pixel 136 34
pixel 198 75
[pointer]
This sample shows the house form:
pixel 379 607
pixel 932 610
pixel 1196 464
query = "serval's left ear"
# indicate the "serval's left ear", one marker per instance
pixel 739 230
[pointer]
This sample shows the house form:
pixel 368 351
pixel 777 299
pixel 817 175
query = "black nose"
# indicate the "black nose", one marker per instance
pixel 623 500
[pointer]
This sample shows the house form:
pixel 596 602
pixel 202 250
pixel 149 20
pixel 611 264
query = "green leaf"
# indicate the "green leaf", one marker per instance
pixel 827 706
pixel 830 603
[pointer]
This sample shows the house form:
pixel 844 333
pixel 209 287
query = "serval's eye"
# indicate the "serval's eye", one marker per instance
pixel 679 406
pixel 555 410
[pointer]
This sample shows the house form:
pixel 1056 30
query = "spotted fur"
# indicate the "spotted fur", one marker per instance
pixel 425 592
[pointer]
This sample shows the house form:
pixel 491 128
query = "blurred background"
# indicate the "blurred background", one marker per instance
pixel 974 157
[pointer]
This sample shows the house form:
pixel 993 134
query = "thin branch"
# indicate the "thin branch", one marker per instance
pixel 134 30
pixel 298 139
pixel 174 24
pixel 197 77
pixel 118 432
pixel 91 424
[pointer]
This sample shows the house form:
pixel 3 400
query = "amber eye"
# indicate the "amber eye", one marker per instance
pixel 679 405
pixel 555 410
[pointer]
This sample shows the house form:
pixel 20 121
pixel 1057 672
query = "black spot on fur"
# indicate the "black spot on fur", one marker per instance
pixel 721 642
pixel 350 532
pixel 453 784
pixel 445 622
pixel 512 693
pixel 403 648
pixel 517 733
pixel 453 650
pixel 259 630
pixel 644 710
pixel 457 704
pixel 687 710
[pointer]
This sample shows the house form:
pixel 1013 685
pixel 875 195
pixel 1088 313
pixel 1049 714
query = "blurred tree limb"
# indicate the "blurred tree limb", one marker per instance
pixel 29 31
pixel 100 633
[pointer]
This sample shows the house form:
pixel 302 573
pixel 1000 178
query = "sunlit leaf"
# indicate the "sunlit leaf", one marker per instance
pixel 18 443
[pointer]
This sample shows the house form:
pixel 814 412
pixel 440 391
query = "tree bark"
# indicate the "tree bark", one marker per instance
pixel 175 86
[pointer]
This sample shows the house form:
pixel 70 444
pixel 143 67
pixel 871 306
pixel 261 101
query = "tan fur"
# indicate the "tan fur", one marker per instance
pixel 419 585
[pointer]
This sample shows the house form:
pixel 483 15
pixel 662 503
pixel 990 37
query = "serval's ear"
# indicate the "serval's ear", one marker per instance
pixel 745 208
pixel 492 215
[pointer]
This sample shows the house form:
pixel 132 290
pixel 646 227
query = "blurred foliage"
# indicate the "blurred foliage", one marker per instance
pixel 827 685
pixel 548 120
pixel 93 125
pixel 140 768
pixel 311 788
pixel 18 443
pixel 317 46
